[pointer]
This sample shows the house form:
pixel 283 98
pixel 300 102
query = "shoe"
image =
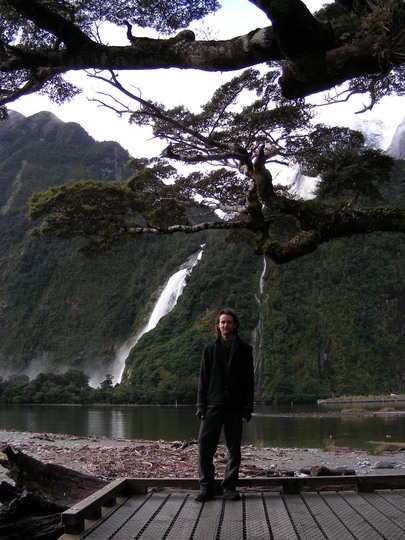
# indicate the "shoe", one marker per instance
pixel 231 495
pixel 205 495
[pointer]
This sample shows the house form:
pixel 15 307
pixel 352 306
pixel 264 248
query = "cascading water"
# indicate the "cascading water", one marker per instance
pixel 257 337
pixel 171 292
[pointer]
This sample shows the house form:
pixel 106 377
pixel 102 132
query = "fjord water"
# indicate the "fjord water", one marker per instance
pixel 276 426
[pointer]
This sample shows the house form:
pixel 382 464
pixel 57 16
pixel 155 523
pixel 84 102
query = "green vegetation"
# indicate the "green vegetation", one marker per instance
pixel 164 366
pixel 366 399
pixel 377 449
pixel 333 321
pixel 69 387
pixel 58 309
pixel 353 410
pixel 328 445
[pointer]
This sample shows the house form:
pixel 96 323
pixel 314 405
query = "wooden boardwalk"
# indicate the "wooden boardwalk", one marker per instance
pixel 339 511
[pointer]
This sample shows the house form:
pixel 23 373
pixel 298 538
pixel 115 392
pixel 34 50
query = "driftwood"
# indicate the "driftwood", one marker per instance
pixel 31 508
pixel 326 471
pixel 25 515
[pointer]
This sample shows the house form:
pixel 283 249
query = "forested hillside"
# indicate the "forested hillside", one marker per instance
pixel 333 322
pixel 60 310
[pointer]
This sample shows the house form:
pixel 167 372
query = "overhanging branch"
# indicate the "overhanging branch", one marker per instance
pixel 188 229
pixel 315 58
pixel 339 224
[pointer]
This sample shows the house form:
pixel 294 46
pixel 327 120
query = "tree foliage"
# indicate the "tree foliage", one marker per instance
pixel 72 386
pixel 239 136
pixel 356 41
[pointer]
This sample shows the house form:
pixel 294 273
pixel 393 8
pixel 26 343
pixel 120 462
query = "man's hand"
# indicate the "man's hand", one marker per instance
pixel 246 416
pixel 200 414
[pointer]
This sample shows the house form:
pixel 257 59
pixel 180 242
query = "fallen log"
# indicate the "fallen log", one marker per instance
pixel 31 509
pixel 28 516
pixel 321 470
pixel 53 482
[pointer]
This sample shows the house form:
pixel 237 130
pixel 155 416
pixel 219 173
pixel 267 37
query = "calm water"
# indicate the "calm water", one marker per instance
pixel 271 425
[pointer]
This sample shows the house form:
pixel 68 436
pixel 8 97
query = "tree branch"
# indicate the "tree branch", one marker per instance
pixel 35 83
pixel 228 55
pixel 189 229
pixel 338 224
pixel 52 22
pixel 203 158
pixel 150 110
pixel 314 58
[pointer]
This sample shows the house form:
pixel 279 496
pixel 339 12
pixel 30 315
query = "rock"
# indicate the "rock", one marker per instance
pixel 384 465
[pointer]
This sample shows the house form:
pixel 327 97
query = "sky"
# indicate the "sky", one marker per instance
pixel 192 88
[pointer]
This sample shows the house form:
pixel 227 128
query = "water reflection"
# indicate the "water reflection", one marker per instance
pixel 279 426
pixel 104 420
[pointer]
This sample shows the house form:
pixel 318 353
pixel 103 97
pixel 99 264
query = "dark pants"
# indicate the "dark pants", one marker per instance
pixel 208 439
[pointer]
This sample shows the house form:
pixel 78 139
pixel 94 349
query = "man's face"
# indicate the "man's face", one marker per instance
pixel 227 327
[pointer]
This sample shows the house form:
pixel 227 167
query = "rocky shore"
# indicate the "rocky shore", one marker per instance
pixel 112 458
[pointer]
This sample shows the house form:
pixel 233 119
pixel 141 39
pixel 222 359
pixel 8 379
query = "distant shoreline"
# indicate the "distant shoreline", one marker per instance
pixel 330 414
pixel 334 401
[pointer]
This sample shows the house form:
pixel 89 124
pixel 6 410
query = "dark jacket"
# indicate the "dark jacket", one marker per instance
pixel 231 386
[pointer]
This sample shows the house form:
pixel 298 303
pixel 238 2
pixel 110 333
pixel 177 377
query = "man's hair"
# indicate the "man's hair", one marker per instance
pixel 226 311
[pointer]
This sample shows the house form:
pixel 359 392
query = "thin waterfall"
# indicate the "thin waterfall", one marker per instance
pixel 257 337
pixel 171 291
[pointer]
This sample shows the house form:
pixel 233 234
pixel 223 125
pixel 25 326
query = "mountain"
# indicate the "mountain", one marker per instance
pixel 59 310
pixel 333 322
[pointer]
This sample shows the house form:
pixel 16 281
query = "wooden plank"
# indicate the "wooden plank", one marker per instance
pixel 140 522
pixel 138 485
pixel 395 498
pixel 231 522
pixel 356 524
pixel 364 506
pixel 73 518
pixel 165 517
pixel 176 516
pixel 371 483
pixel 399 492
pixel 208 522
pixel 303 521
pixel 280 523
pixel 386 501
pixel 189 518
pixel 115 519
pixel 325 517
pixel 288 484
pixel 257 521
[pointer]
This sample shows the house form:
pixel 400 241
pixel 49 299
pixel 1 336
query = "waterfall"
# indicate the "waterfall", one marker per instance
pixel 257 337
pixel 171 291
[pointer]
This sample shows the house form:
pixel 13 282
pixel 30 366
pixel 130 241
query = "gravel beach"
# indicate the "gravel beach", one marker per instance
pixel 112 458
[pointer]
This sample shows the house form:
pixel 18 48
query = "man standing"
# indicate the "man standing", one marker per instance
pixel 225 398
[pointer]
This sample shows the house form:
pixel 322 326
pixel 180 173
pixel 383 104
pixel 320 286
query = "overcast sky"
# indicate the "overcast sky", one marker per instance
pixel 192 88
